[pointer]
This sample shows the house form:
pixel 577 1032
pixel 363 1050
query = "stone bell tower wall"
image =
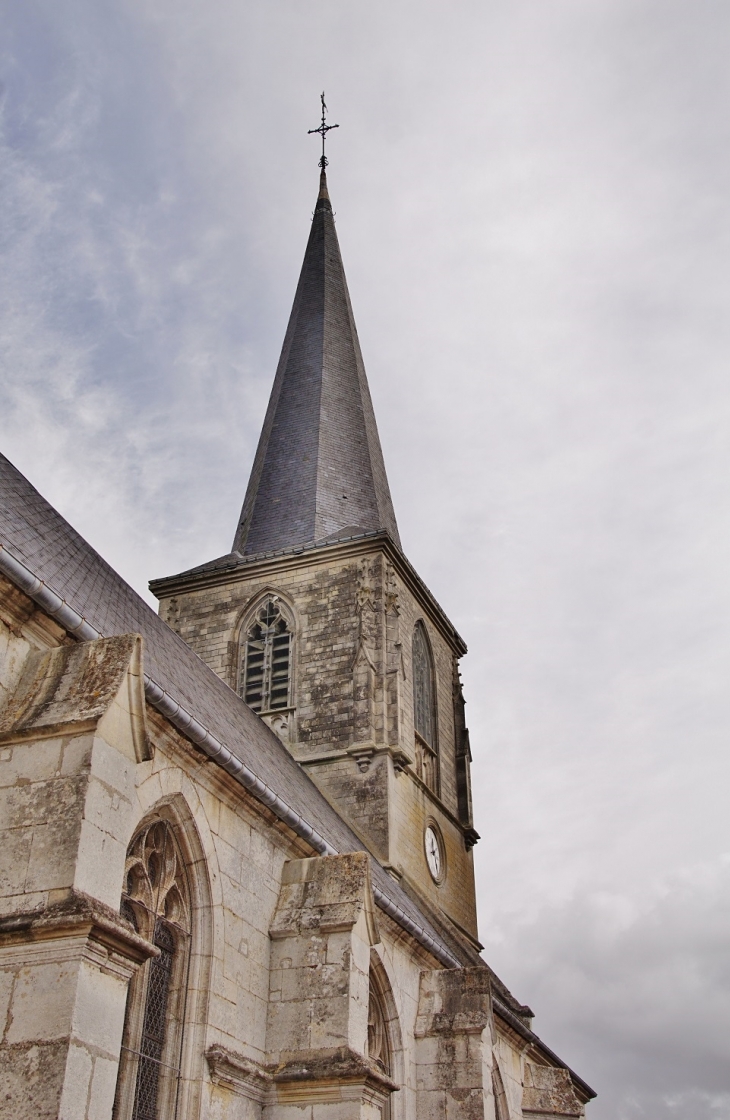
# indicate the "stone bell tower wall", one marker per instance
pixel 353 609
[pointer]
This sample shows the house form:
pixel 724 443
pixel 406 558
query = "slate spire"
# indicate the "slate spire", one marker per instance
pixel 318 473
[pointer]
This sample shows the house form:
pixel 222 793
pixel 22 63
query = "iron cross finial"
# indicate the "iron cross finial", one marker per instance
pixel 322 131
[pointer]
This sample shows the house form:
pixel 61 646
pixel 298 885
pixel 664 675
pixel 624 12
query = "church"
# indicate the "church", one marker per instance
pixel 236 869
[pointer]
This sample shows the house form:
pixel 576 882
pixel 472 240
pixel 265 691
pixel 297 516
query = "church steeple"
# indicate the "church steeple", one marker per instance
pixel 340 648
pixel 318 473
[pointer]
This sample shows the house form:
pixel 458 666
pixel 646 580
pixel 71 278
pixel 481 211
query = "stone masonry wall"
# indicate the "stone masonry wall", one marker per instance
pixel 353 726
pixel 82 769
pixel 339 605
pixel 235 854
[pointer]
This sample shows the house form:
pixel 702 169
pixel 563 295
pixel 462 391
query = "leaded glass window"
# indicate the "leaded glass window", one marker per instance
pixel 266 652
pixel 424 709
pixel 156 900
pixel 154 1028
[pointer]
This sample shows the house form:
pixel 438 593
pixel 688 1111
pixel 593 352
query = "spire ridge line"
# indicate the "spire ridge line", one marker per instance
pixel 318 473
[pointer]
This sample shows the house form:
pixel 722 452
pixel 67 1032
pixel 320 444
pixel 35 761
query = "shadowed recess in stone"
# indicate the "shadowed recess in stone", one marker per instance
pixel 319 466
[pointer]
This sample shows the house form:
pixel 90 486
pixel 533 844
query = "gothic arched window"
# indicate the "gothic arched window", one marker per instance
pixel 378 1041
pixel 501 1108
pixel 156 900
pixel 265 678
pixel 384 1044
pixel 424 709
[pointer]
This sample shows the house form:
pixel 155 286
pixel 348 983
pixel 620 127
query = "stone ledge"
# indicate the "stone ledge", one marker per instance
pixel 330 1075
pixel 304 1075
pixel 361 753
pixel 77 914
pixel 240 1075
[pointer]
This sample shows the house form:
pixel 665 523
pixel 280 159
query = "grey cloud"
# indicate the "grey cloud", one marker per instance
pixel 638 991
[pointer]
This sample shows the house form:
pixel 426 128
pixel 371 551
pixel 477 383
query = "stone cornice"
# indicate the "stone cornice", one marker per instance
pixel 364 753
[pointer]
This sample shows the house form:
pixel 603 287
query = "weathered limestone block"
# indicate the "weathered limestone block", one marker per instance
pixel 321 935
pixel 338 1086
pixel 246 1085
pixel 70 736
pixel 548 1091
pixel 322 932
pixel 92 685
pixel 453 1057
pixel 64 973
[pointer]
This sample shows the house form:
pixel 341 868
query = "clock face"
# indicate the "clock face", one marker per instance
pixel 434 855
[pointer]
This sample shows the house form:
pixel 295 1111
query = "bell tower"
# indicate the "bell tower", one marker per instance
pixel 317 619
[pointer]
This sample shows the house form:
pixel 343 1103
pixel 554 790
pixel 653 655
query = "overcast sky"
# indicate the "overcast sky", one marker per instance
pixel 531 198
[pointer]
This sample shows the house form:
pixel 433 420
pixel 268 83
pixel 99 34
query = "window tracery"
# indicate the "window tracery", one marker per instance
pixel 156 900
pixel 424 710
pixel 265 677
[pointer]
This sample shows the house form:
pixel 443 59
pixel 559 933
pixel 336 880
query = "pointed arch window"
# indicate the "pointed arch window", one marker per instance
pixel 378 1041
pixel 424 709
pixel 156 900
pixel 501 1108
pixel 265 676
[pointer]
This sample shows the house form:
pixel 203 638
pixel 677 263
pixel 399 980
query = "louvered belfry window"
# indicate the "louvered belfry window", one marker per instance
pixel 424 709
pixel 265 678
pixel 156 901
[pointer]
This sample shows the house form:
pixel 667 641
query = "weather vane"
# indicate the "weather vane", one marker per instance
pixel 323 129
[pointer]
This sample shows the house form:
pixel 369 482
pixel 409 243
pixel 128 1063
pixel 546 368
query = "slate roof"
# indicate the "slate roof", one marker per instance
pixel 318 471
pixel 38 536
